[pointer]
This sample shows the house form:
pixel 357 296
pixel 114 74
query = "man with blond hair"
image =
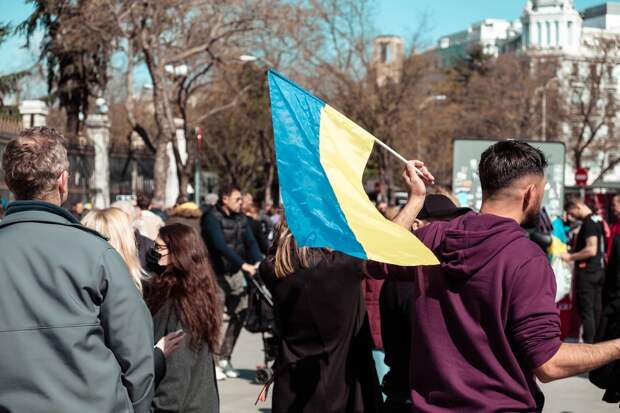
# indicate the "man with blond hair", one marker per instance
pixel 75 333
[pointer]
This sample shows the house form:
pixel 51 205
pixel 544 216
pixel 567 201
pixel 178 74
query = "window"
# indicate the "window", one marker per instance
pixel 557 33
pixel 548 27
pixel 385 53
pixel 569 26
pixel 539 35
pixel 526 34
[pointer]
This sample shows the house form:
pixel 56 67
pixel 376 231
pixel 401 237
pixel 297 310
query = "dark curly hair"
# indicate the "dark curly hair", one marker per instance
pixel 190 284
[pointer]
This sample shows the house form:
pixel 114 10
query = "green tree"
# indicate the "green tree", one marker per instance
pixel 75 56
pixel 474 62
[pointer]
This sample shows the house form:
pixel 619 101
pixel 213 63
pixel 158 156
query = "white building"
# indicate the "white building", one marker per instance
pixel 549 28
pixel 491 34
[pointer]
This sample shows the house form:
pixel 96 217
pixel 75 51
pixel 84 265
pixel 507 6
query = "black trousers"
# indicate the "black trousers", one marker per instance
pixel 589 296
pixel 236 300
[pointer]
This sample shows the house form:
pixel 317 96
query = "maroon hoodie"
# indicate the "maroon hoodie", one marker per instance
pixel 482 320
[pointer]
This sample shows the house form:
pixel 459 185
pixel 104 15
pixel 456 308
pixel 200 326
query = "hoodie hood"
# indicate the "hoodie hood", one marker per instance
pixel 467 243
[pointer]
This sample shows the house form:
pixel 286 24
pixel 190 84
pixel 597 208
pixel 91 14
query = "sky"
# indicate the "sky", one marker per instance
pixel 398 17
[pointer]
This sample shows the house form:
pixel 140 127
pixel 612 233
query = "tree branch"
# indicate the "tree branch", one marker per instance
pixel 224 107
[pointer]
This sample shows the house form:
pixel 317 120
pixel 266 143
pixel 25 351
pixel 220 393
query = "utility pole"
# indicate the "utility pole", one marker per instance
pixel 198 169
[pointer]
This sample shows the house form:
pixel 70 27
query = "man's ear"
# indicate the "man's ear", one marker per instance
pixel 528 196
pixel 416 224
pixel 63 182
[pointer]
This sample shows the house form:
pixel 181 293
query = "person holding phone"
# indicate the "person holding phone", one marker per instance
pixel 182 294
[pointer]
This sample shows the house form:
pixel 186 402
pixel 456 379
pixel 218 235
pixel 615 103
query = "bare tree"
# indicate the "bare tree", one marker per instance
pixel 343 68
pixel 239 141
pixel 179 42
pixel 504 101
pixel 592 105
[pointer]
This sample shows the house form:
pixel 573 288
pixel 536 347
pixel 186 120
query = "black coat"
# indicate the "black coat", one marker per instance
pixel 395 307
pixel 608 377
pixel 189 384
pixel 612 279
pixel 325 359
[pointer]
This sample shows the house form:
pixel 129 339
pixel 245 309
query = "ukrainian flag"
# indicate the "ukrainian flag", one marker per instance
pixel 321 156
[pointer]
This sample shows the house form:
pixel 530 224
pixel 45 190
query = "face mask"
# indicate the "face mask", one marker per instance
pixel 152 262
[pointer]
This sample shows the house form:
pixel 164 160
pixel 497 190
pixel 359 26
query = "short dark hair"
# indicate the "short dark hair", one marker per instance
pixel 143 200
pixel 572 203
pixel 226 190
pixel 575 202
pixel 506 161
pixel 33 161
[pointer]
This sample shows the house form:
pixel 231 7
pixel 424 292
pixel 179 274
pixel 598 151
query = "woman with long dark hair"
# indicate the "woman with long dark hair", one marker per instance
pixel 325 363
pixel 183 294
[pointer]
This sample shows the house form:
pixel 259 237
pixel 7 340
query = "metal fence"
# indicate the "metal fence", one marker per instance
pixel 130 172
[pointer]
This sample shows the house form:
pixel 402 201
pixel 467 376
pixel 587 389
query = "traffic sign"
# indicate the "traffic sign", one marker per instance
pixel 581 176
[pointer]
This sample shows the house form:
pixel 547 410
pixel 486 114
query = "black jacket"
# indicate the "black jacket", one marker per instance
pixel 229 240
pixel 258 230
pixel 325 362
pixel 395 308
pixel 608 376
pixel 612 278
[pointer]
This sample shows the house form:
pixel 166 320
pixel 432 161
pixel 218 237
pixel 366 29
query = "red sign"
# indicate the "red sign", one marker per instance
pixel 199 136
pixel 581 177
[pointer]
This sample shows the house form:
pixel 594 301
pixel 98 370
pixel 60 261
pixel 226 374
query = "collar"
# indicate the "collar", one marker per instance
pixel 232 215
pixel 41 206
pixel 42 212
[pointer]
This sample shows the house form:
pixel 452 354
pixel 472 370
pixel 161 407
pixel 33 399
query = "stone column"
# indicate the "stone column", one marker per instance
pixel 34 113
pixel 98 132
pixel 172 180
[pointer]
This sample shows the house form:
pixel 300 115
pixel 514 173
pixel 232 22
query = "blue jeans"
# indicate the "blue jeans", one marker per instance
pixel 382 369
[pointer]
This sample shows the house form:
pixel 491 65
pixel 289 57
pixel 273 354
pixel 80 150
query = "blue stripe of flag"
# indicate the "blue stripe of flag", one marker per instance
pixel 312 209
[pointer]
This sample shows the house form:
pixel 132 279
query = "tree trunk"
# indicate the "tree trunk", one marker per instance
pixel 160 170
pixel 268 185
pixel 578 155
pixel 72 124
pixel 167 129
pixel 184 179
pixel 185 172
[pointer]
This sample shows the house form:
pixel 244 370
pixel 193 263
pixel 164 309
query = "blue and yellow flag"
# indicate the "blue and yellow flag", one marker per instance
pixel 321 157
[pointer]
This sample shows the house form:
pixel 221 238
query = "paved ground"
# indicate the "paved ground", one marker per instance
pixel 575 395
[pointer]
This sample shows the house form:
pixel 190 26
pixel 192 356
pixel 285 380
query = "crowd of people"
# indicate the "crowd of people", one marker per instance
pixel 137 308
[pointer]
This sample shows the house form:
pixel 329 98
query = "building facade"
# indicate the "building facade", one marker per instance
pixel 555 29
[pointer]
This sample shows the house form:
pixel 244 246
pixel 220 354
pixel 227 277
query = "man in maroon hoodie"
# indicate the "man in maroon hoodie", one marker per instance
pixel 484 322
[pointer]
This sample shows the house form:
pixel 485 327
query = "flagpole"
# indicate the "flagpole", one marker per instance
pixel 396 154
pixel 392 151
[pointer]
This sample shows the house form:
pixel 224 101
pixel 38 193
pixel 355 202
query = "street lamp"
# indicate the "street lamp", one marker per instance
pixel 251 58
pixel 101 106
pixel 544 104
pixel 421 107
pixel 180 70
